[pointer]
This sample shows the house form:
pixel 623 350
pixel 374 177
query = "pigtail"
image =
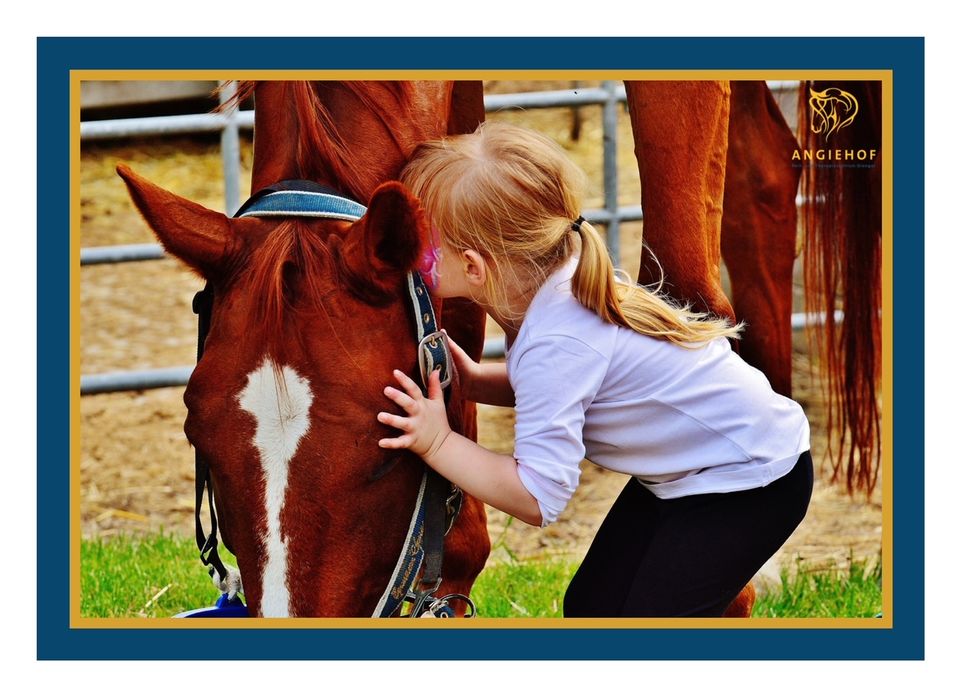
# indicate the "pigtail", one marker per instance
pixel 596 286
pixel 594 283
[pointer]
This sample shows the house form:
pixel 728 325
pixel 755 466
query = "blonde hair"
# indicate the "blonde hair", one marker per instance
pixel 512 195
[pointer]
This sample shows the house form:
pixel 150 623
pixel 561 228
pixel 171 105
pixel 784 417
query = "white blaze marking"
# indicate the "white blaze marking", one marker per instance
pixel 281 408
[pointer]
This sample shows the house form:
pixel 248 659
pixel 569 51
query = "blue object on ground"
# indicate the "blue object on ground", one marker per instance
pixel 224 609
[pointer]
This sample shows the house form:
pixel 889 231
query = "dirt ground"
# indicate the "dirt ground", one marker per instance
pixel 136 469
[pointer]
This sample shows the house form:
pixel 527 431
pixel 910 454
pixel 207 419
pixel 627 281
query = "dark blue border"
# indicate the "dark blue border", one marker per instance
pixel 57 56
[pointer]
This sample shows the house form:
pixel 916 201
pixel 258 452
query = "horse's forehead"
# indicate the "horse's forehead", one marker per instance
pixel 278 399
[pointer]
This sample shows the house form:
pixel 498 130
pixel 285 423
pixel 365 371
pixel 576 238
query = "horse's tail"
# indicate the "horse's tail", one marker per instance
pixel 841 217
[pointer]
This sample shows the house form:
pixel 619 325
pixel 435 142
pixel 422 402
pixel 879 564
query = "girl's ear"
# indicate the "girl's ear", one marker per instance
pixel 385 244
pixel 474 268
pixel 196 235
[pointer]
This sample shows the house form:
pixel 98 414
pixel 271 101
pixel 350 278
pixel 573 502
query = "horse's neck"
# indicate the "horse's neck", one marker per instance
pixel 275 137
pixel 380 133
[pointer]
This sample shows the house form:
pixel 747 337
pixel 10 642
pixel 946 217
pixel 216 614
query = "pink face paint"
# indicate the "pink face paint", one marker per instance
pixel 430 261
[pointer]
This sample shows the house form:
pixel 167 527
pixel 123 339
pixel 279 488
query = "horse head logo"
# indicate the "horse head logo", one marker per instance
pixel 831 110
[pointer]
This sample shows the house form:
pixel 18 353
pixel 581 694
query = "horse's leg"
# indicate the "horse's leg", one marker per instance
pixel 758 238
pixel 680 139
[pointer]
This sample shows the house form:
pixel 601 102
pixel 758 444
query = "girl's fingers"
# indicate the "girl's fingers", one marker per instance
pixel 463 361
pixel 396 442
pixel 409 386
pixel 457 351
pixel 398 422
pixel 401 399
pixel 434 390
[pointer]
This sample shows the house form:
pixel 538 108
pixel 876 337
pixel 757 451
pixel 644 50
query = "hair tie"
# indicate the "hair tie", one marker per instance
pixel 576 223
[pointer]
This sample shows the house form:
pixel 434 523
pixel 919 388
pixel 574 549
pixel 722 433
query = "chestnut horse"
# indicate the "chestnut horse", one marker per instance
pixel 308 321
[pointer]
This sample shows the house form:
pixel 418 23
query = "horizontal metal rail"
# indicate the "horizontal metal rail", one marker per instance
pixel 121 253
pixel 562 98
pixel 135 380
pixel 163 126
pixel 124 253
pixel 139 380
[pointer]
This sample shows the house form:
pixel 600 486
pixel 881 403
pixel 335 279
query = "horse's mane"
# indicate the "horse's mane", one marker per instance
pixel 320 145
pixel 291 257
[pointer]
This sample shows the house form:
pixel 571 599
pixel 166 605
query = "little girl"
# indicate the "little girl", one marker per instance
pixel 600 368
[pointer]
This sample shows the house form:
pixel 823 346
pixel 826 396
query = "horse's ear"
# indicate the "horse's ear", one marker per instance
pixel 387 242
pixel 196 235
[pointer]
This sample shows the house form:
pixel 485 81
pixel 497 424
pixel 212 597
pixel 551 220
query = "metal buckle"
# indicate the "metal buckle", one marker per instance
pixel 441 609
pixel 420 597
pixel 425 605
pixel 428 363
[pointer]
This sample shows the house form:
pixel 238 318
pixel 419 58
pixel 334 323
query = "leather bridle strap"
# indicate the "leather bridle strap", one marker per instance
pixel 434 511
pixel 433 353
pixel 208 545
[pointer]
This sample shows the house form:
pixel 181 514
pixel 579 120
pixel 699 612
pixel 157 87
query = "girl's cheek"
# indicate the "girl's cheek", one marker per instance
pixel 430 268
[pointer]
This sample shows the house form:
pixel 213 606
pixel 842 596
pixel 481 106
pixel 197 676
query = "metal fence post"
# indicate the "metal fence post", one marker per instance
pixel 230 151
pixel 610 186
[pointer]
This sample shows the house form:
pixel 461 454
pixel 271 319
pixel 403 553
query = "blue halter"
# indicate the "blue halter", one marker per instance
pixel 289 203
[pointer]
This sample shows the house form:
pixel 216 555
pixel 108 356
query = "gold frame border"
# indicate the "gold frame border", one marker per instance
pixel 885 76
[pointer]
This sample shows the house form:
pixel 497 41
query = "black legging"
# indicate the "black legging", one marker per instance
pixel 686 556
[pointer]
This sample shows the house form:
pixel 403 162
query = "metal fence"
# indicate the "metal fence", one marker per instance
pixel 609 96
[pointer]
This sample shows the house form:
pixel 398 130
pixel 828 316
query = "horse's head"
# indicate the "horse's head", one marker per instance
pixel 308 321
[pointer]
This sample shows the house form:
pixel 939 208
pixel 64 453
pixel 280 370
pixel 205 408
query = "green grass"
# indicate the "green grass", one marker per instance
pixel 160 575
pixel 854 592
pixel 531 590
pixel 120 577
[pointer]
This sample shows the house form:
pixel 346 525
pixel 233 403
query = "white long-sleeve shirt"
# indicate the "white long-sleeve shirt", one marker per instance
pixel 682 421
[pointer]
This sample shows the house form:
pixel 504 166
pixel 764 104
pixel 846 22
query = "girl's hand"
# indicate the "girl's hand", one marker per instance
pixel 485 384
pixel 425 427
pixel 469 371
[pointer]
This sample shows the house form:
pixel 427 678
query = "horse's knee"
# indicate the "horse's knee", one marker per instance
pixel 742 604
pixel 719 305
